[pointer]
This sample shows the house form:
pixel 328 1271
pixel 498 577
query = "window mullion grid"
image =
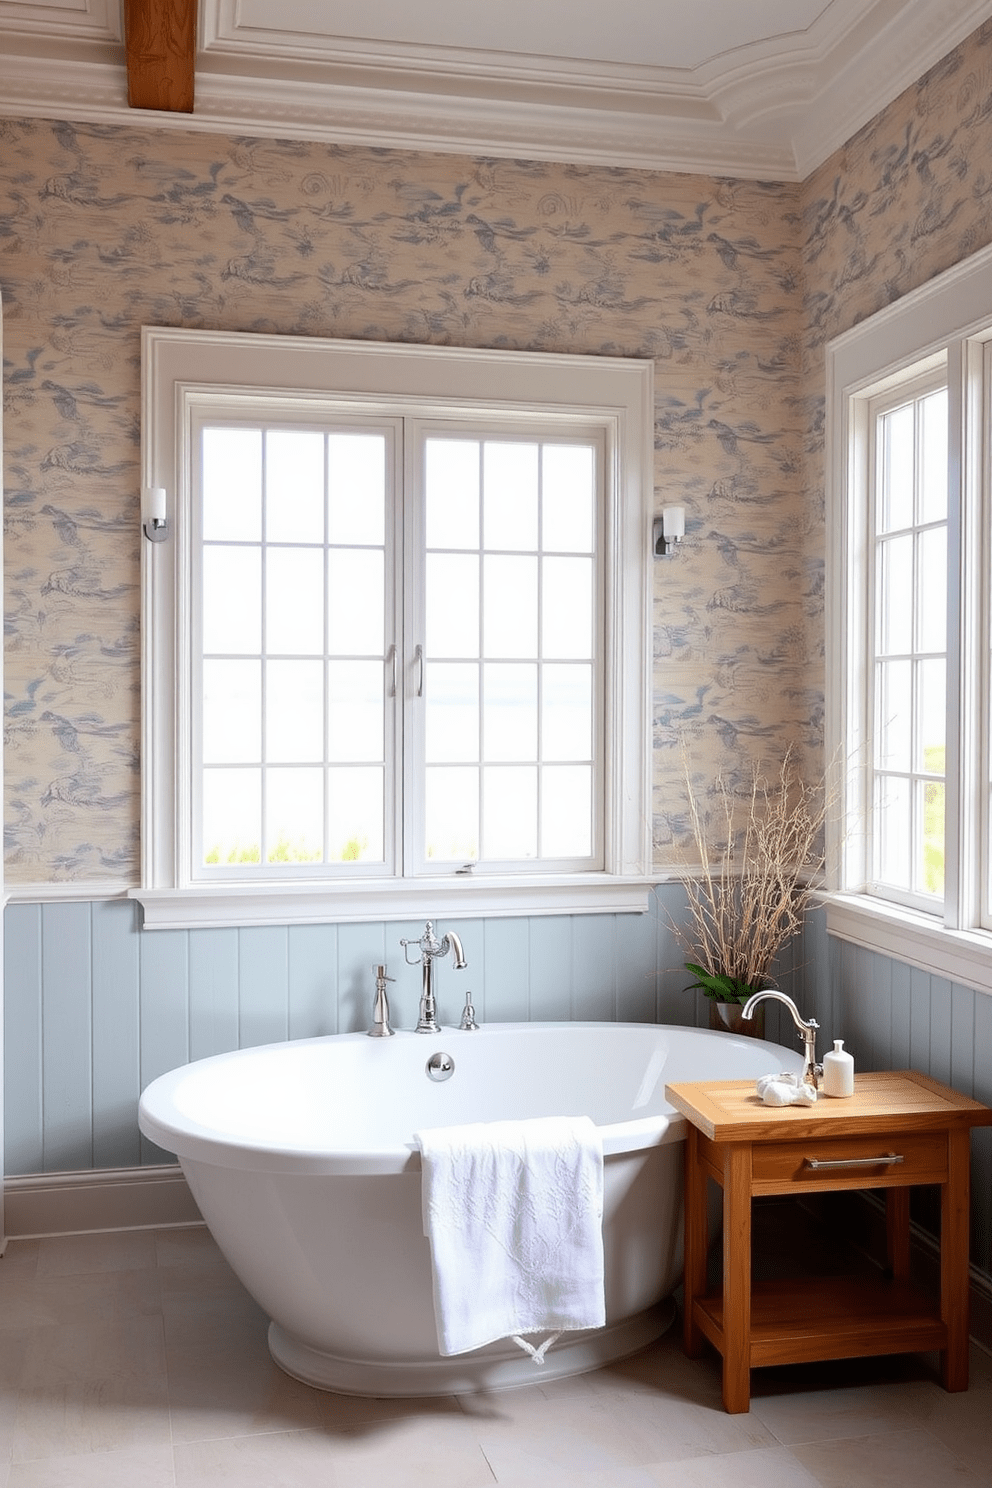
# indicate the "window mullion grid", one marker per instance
pixel 601 818
pixel 264 642
pixel 411 532
pixel 967 752
pixel 851 678
pixel 189 822
pixel 983 789
pixel 964 894
pixel 393 784
pixel 481 830
pixel 539 755
pixel 873 688
pixel 915 777
pixel 917 787
pixel 917 780
pixel 267 548
pixel 877 694
pixel 326 669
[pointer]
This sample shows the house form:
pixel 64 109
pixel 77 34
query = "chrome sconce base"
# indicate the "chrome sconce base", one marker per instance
pixel 668 531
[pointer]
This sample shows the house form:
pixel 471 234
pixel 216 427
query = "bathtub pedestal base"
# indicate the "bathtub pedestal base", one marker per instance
pixel 499 1367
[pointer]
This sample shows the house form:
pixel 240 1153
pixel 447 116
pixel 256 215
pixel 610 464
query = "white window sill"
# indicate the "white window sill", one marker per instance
pixel 213 905
pixel 920 940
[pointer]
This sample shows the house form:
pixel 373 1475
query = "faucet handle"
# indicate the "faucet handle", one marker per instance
pixel 380 1005
pixel 468 1023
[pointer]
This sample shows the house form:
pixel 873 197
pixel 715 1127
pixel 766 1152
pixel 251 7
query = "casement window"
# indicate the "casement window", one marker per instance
pixel 395 631
pixel 909 621
pixel 906 671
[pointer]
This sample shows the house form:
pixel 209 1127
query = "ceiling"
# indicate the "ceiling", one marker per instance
pixel 753 88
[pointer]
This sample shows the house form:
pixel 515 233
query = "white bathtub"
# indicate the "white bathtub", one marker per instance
pixel 301 1158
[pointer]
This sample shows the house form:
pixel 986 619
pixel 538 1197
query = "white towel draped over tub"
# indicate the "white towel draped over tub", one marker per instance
pixel 514 1214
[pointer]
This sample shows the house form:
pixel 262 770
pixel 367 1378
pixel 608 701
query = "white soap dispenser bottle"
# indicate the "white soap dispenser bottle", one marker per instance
pixel 838 1071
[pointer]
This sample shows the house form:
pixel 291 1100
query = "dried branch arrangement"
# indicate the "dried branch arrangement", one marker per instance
pixel 757 883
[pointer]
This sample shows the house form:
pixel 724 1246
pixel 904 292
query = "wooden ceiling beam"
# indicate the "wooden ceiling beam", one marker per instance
pixel 160 42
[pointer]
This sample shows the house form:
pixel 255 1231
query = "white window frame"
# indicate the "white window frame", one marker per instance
pixel 935 325
pixel 181 369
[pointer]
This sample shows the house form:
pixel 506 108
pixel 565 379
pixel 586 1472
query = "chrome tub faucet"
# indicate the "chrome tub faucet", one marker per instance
pixel 431 949
pixel 807 1032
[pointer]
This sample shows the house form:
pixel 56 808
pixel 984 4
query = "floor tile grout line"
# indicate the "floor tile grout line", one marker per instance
pixel 485 1458
pixel 820 1441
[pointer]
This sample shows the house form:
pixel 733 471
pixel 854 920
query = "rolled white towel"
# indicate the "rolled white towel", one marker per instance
pixel 786 1090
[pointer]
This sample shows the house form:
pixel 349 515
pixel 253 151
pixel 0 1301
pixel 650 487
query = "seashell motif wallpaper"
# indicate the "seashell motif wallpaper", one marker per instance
pixel 731 287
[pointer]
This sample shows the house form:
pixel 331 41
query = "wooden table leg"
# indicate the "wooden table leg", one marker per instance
pixel 954 1199
pixel 696 1238
pixel 737 1279
pixel 897 1232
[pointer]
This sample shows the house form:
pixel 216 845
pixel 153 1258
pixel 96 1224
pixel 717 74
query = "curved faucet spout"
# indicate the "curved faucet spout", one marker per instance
pixel 452 943
pixel 757 997
pixel 807 1030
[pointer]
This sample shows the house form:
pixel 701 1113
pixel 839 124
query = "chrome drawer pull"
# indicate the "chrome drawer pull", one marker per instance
pixel 854 1162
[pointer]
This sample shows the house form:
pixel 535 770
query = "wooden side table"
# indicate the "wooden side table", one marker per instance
pixel 898 1129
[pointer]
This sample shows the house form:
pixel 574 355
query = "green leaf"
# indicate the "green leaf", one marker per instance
pixel 718 984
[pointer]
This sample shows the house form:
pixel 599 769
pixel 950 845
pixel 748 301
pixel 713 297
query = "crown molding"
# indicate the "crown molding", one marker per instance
pixel 524 127
pixel 95 93
pixel 911 44
pixel 775 109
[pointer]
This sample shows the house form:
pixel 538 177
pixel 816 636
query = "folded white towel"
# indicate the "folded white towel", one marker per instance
pixel 514 1214
pixel 786 1090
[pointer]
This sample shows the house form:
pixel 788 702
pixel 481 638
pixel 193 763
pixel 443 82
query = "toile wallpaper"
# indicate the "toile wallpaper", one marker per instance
pixel 732 287
pixel 907 197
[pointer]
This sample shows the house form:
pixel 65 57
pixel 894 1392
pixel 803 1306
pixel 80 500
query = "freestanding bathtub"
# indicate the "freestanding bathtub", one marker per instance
pixel 302 1160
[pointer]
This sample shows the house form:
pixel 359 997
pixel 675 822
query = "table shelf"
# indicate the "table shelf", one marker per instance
pixel 836 1317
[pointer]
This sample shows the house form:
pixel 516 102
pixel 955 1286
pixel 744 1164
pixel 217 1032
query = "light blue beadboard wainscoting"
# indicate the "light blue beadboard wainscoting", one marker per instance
pixel 894 1016
pixel 96 1008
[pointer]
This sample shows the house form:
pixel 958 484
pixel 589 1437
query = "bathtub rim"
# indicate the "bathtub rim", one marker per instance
pixel 189 1139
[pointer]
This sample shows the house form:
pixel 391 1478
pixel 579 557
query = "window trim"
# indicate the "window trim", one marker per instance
pixel 180 366
pixel 935 322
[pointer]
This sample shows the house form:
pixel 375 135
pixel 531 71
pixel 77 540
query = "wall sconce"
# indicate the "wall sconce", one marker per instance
pixel 668 531
pixel 153 513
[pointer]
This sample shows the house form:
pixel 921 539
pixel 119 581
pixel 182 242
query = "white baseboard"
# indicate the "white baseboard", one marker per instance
pixel 41 1204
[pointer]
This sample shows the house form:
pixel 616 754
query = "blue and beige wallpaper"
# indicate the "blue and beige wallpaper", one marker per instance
pixel 909 196
pixel 731 287
pixel 103 230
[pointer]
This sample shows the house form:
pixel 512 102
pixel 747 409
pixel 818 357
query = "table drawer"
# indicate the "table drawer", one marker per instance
pixel 850 1162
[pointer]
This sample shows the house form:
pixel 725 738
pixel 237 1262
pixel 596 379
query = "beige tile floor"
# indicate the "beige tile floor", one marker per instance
pixel 138 1360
